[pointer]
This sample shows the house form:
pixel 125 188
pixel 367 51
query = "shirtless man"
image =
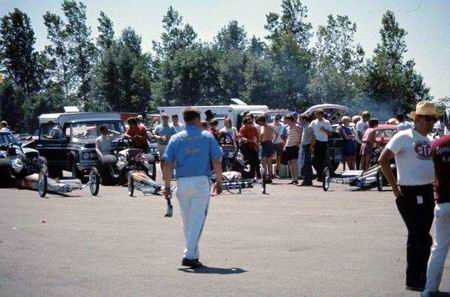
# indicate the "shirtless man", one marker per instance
pixel 267 136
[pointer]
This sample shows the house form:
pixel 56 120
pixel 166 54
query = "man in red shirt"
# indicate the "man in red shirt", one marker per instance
pixel 440 150
pixel 248 135
pixel 138 134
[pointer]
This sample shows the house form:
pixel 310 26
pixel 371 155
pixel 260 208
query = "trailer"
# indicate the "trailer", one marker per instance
pixel 234 111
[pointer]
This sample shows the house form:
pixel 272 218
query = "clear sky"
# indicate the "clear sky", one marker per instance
pixel 427 23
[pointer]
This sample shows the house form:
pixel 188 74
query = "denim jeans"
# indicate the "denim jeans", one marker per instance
pixel 440 247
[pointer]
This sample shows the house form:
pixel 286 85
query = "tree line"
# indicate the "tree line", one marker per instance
pixel 286 69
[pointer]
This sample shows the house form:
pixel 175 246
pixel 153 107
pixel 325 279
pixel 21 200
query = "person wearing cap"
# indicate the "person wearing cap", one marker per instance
pixel 413 188
pixel 163 133
pixel 191 153
pixel 4 126
pixel 321 127
pixel 440 151
pixel 176 123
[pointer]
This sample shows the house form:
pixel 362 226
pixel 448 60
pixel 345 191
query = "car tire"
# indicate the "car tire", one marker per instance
pixel 94 182
pixel 43 182
pixel 326 175
pixel 75 172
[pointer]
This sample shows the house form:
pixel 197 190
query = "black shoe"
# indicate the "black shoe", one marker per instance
pixel 192 263
pixel 415 288
pixel 294 182
pixel 306 184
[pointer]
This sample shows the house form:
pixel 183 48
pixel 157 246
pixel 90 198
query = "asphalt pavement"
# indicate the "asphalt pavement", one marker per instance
pixel 293 242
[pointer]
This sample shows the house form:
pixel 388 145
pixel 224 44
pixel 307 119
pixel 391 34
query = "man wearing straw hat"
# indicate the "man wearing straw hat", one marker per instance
pixel 413 188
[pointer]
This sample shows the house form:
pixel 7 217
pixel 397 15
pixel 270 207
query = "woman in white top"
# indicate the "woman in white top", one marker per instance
pixel 291 148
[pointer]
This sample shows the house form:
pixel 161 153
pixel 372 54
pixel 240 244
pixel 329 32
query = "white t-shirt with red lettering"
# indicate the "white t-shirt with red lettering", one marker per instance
pixel 412 157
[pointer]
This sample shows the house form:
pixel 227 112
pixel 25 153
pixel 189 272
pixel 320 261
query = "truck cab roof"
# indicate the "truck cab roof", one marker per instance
pixel 73 117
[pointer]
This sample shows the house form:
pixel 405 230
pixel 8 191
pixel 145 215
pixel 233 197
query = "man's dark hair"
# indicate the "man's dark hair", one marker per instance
pixel 261 119
pixel 278 117
pixel 174 116
pixel 290 117
pixel 132 122
pixel 400 117
pixel 373 123
pixel 247 120
pixel 214 122
pixel 190 115
pixel 103 128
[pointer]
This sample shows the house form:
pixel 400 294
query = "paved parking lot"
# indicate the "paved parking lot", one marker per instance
pixel 293 242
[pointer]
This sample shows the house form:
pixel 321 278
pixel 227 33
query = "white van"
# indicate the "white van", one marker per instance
pixel 232 111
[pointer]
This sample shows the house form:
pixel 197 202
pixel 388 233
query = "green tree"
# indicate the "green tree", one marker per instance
pixel 289 38
pixel 389 77
pixel 176 38
pixel 231 43
pixel 338 62
pixel 72 50
pixel 105 39
pixel 17 53
pixel 82 49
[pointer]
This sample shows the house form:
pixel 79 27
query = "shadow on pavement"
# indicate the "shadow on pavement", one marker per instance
pixel 213 270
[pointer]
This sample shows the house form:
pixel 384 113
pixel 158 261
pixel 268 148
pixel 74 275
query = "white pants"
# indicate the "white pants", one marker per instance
pixel 440 247
pixel 193 195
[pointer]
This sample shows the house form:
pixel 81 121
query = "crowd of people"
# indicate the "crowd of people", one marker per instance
pixel 421 185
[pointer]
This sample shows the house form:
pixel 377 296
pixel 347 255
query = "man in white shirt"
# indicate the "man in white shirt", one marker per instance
pixel 321 128
pixel 413 188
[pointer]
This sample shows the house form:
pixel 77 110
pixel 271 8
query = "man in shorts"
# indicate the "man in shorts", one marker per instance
pixel 267 136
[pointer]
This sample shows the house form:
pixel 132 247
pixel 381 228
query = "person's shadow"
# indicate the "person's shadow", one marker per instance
pixel 213 270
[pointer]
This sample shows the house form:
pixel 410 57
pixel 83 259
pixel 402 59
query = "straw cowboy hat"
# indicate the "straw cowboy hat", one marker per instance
pixel 425 108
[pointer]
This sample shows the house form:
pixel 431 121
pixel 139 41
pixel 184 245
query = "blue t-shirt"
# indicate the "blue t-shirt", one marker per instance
pixel 167 131
pixel 192 151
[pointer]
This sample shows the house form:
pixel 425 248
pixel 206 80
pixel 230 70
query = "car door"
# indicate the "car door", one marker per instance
pixel 53 146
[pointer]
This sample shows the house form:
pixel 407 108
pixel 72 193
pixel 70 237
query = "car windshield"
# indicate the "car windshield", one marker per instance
pixel 6 139
pixel 89 131
pixel 386 133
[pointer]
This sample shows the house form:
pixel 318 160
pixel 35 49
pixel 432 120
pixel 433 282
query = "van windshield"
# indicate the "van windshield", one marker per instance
pixel 89 131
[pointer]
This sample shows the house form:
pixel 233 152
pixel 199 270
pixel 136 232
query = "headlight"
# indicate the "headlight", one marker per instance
pixel 85 156
pixel 17 165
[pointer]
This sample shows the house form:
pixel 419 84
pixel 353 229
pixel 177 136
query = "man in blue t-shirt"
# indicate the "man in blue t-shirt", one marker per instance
pixel 191 153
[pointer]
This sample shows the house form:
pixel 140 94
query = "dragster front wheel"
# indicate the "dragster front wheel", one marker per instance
pixel 130 184
pixel 326 175
pixel 94 182
pixel 43 182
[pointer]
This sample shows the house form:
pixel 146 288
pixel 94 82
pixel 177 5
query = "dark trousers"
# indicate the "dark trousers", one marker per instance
pixel 252 158
pixel 416 207
pixel 358 156
pixel 307 171
pixel 320 157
